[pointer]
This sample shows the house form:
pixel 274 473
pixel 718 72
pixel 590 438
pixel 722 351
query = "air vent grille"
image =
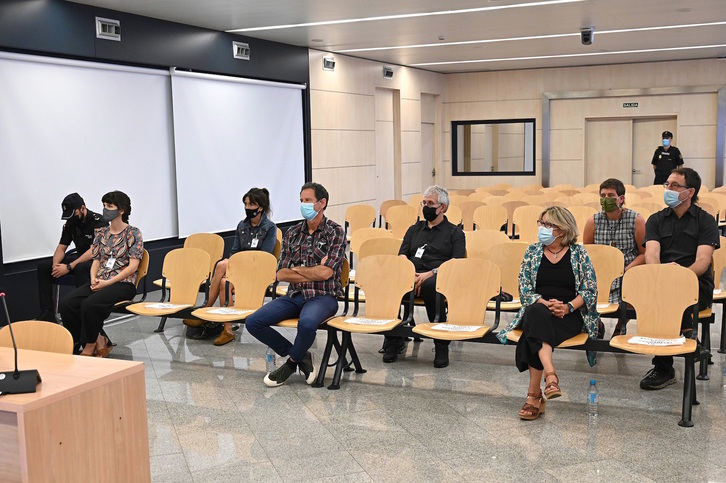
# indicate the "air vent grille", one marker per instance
pixel 108 29
pixel 241 50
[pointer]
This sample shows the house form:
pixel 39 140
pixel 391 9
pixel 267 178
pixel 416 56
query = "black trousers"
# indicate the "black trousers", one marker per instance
pixel 428 294
pixel 83 310
pixel 81 273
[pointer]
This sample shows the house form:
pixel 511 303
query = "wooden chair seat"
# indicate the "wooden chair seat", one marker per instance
pixel 607 308
pixel 187 268
pixel 341 323
pixel 621 342
pixel 250 272
pixel 575 341
pixel 512 306
pixel 428 330
pixel 288 323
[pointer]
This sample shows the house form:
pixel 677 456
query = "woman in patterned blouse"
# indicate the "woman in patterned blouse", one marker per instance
pixel 117 250
pixel 558 291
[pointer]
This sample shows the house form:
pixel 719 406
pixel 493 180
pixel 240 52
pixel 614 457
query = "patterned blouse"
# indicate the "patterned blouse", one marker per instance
pixel 302 248
pixel 584 279
pixel 115 251
pixel 620 234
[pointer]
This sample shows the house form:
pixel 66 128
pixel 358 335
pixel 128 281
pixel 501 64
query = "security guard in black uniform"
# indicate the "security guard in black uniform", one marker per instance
pixel 665 159
pixel 79 229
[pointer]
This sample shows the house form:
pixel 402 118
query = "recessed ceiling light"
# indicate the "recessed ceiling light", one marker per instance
pixel 317 41
pixel 564 56
pixel 683 10
pixel 409 15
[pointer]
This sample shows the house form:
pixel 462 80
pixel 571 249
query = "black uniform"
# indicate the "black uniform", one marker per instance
pixel 665 162
pixel 80 233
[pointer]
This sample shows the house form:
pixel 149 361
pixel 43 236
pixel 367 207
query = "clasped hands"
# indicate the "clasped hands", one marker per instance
pixel 419 279
pixel 557 308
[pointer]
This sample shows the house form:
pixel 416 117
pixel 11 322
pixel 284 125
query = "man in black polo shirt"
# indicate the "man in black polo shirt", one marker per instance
pixel 428 244
pixel 665 159
pixel 79 229
pixel 684 234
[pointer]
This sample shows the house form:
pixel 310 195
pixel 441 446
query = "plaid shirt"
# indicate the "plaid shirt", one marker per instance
pixel 301 248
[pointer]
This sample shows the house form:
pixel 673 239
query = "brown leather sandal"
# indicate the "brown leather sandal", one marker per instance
pixel 529 412
pixel 552 388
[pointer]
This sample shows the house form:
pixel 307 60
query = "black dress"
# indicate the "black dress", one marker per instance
pixel 554 281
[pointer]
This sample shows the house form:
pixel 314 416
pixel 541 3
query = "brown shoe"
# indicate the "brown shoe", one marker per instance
pixel 193 322
pixel 530 412
pixel 224 338
pixel 552 389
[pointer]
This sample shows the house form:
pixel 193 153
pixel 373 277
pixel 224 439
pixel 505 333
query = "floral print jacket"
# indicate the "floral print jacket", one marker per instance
pixel 584 278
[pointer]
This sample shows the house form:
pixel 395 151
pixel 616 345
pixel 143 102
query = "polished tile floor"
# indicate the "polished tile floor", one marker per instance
pixel 212 419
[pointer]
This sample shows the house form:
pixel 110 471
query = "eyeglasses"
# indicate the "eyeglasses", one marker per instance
pixel 547 224
pixel 430 204
pixel 676 186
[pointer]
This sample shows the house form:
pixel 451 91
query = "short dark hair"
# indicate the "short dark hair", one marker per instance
pixel 260 197
pixel 320 191
pixel 613 184
pixel 122 202
pixel 693 180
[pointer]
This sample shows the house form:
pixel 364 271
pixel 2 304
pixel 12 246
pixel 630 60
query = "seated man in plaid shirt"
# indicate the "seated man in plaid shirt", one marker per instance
pixel 311 261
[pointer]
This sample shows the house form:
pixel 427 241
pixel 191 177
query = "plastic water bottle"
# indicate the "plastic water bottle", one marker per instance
pixel 270 360
pixel 593 399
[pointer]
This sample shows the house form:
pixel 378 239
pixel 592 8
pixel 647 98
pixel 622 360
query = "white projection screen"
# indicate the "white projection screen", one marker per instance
pixel 230 135
pixel 70 126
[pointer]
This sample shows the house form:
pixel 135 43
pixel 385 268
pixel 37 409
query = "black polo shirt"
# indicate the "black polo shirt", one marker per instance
pixel 665 162
pixel 81 232
pixel 441 243
pixel 680 238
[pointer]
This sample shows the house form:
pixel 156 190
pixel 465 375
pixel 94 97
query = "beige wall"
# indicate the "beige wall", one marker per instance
pixel 518 94
pixel 344 116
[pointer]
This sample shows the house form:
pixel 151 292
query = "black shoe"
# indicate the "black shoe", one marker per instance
pixel 658 379
pixel 280 375
pixel 441 359
pixel 307 368
pixel 48 316
pixel 393 348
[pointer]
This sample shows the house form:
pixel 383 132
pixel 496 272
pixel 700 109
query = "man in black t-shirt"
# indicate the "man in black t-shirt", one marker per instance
pixel 428 244
pixel 665 159
pixel 684 234
pixel 79 230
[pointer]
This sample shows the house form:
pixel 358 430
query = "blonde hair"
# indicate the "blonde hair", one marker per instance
pixel 560 216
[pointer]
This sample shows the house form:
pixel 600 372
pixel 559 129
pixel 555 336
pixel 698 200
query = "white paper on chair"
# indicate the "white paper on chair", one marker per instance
pixel 228 311
pixel 717 291
pixel 656 342
pixel 166 306
pixel 364 321
pixel 456 328
pixel 602 306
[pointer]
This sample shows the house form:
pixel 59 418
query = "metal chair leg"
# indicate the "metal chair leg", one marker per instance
pixel 689 393
pixel 162 323
pixel 326 358
pixel 341 362
pixel 355 360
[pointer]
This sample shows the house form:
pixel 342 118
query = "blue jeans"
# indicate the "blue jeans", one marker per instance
pixel 311 314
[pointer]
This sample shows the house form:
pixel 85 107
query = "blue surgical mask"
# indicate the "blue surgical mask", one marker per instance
pixel 545 235
pixel 308 211
pixel 666 143
pixel 671 198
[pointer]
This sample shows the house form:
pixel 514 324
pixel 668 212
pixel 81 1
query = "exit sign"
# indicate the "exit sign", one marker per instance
pixel 630 104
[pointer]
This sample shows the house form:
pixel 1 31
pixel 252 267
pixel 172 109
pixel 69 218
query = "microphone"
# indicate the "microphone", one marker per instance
pixel 17 382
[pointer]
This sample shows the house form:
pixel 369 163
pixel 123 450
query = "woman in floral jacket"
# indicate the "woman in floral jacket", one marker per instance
pixel 558 291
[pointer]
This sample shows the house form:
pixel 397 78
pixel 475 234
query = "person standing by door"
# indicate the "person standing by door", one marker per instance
pixel 666 158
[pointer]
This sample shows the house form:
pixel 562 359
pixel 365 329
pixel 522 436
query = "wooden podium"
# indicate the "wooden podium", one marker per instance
pixel 86 422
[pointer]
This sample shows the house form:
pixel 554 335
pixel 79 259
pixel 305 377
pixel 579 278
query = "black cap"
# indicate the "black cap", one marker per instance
pixel 667 134
pixel 71 203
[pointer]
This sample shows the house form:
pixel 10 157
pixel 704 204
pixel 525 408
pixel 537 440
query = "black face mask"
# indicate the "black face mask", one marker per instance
pixel 252 213
pixel 429 213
